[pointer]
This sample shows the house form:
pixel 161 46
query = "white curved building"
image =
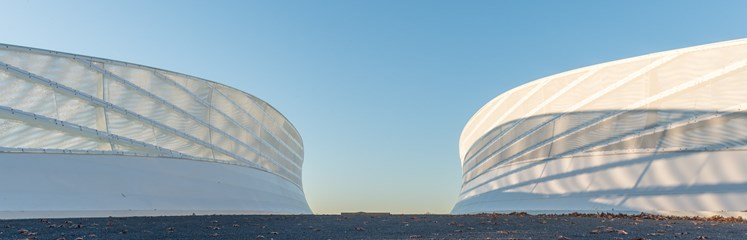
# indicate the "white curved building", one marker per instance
pixel 85 136
pixel 664 132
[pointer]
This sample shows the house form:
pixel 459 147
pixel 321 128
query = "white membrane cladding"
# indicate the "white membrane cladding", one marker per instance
pixel 664 132
pixel 60 103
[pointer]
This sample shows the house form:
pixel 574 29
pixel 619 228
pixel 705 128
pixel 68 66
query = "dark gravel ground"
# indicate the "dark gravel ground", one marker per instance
pixel 484 226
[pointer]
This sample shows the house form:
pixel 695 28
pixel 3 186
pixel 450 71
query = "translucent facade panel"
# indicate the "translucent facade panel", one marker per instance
pixel 123 108
pixel 17 134
pixel 727 87
pixel 237 114
pixel 201 89
pixel 80 112
pixel 508 145
pixel 62 70
pixel 150 108
pixel 278 147
pixel 506 112
pixel 626 94
pixel 480 144
pixel 26 95
pixel 553 91
pixel 716 133
pixel 163 88
pixel 480 114
pixel 130 127
pixel 135 149
pixel 171 140
pixel 294 135
pixel 262 124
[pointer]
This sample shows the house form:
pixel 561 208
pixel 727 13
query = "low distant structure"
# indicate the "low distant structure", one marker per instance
pixel 83 137
pixel 663 133
pixel 365 214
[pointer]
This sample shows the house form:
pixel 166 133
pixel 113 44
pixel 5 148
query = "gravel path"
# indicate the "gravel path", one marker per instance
pixel 485 226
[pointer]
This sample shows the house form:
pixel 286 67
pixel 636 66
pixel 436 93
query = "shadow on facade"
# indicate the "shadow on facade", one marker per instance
pixel 673 160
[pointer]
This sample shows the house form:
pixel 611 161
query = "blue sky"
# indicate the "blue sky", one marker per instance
pixel 379 90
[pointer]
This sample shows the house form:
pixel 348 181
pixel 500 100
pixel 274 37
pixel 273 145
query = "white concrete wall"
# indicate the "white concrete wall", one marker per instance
pixel 77 185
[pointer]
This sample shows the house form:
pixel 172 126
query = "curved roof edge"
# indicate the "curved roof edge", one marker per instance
pixel 469 135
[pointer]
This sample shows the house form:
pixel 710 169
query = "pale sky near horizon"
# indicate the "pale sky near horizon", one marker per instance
pixel 379 90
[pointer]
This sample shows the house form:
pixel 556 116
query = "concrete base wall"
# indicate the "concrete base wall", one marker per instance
pixel 70 185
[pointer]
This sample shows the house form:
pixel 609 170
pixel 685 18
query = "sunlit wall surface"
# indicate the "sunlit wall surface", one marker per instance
pixel 665 132
pixel 56 105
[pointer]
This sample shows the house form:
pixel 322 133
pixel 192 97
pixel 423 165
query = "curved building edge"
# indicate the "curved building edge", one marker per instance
pixel 256 171
pixel 659 133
